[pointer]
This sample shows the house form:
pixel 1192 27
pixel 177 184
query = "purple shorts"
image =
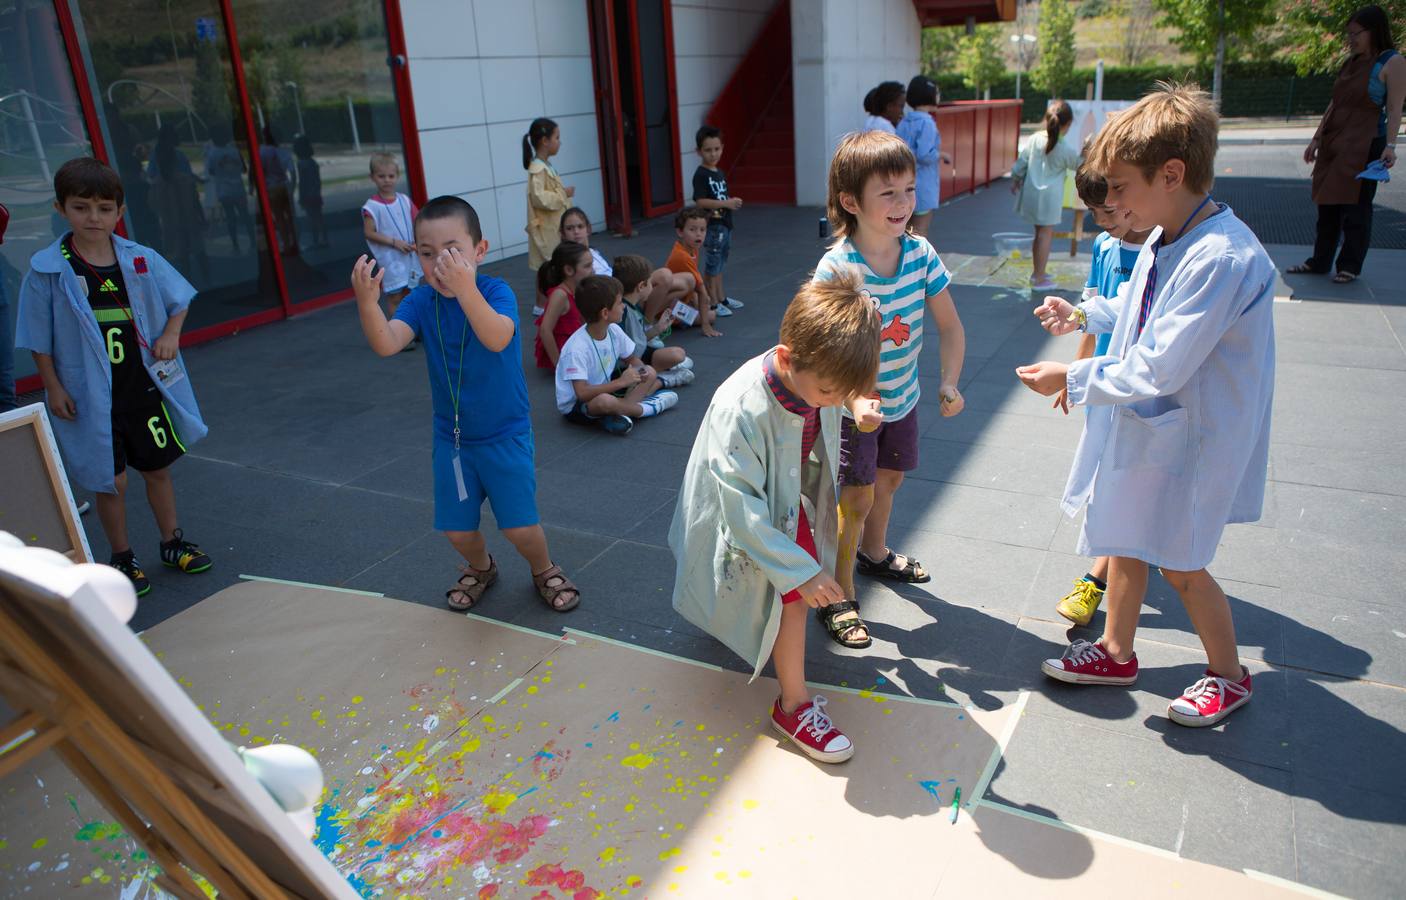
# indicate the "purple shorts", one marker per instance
pixel 893 445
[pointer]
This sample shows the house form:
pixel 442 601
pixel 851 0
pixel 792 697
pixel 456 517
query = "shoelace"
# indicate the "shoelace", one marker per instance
pixel 816 719
pixel 1209 688
pixel 1082 651
pixel 1085 589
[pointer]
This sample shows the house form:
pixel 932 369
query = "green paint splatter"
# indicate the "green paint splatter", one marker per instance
pixel 99 831
pixel 39 844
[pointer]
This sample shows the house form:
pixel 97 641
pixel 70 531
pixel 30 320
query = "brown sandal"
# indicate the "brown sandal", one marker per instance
pixel 468 590
pixel 551 584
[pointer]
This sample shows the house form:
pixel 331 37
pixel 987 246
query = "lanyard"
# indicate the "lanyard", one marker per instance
pixel 604 367
pixel 391 210
pixel 1150 289
pixel 103 280
pixel 459 380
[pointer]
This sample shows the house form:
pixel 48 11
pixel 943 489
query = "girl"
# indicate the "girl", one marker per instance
pixel 919 132
pixel 557 279
pixel 665 287
pixel 884 105
pixel 310 188
pixel 1038 183
pixel 547 197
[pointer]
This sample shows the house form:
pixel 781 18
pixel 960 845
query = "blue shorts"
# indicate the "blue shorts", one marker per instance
pixel 501 471
pixel 715 248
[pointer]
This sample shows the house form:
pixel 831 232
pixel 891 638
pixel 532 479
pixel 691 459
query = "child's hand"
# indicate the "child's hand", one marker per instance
pixel 822 590
pixel 868 413
pixel 455 270
pixel 366 286
pixel 666 318
pixel 570 191
pixel 403 246
pixel 1057 315
pixel 630 377
pixel 1048 378
pixel 734 203
pixel 952 400
pixel 1062 400
pixel 166 346
pixel 1015 185
pixel 61 404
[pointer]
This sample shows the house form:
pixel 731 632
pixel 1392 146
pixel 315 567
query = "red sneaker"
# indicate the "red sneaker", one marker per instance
pixel 811 729
pixel 1087 663
pixel 1209 700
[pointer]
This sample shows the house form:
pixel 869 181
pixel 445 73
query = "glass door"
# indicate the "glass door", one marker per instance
pixel 657 128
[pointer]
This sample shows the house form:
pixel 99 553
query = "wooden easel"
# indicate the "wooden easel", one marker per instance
pixel 137 784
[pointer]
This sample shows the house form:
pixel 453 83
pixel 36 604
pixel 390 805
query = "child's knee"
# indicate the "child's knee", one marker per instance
pixel 1186 582
pixel 855 503
pixel 669 357
pixel 524 534
pixel 464 537
pixel 157 476
pixel 887 480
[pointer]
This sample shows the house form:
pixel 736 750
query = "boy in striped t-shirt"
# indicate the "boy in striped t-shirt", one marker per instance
pixel 871 199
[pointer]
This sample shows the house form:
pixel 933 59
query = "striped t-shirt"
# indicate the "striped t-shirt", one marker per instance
pixel 902 301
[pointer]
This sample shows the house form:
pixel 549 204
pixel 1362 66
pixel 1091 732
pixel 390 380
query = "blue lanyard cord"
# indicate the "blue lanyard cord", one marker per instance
pixel 1149 290
pixel 459 379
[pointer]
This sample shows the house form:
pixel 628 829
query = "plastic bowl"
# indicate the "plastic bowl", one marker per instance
pixel 1012 243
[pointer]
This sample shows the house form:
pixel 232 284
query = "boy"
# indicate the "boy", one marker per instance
pixel 691 226
pixel 102 316
pixel 710 195
pixel 482 436
pixel 1176 442
pixel 761 474
pixel 672 363
pixel 1115 253
pixel 388 221
pixel 870 202
pixel 586 390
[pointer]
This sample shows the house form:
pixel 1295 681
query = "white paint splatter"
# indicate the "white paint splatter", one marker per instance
pixel 431 723
pixel 1398 634
pixel 1181 832
pixel 367 771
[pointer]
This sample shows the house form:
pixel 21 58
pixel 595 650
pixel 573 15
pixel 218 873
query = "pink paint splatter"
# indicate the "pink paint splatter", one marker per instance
pixel 568 881
pixel 488 892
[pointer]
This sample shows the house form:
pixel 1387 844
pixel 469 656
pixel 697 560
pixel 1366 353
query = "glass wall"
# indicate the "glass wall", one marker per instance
pixel 41 127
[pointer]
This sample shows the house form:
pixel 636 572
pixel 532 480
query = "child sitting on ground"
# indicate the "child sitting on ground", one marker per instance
pixel 1115 253
pixel 587 383
pixel 755 526
pixel 1176 442
pixel 672 363
pixel 691 226
pixel 388 221
pixel 557 280
pixel 665 287
pixel 482 435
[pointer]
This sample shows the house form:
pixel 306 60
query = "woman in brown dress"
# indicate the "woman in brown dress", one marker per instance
pixel 1358 128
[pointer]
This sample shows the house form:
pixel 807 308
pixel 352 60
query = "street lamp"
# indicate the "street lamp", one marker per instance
pixel 1020 41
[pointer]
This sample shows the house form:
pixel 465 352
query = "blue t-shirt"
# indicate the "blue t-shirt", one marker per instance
pixel 1112 265
pixel 492 391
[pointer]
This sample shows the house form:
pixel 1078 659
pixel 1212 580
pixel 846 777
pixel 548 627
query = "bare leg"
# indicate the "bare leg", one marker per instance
pixel 531 543
pixel 714 284
pixel 920 223
pixel 855 503
pixel 471 546
pixel 112 513
pixel 1122 604
pixel 789 655
pixel 628 405
pixel 161 496
pixel 666 359
pixel 876 524
pixel 1100 569
pixel 1040 250
pixel 665 288
pixel 1209 612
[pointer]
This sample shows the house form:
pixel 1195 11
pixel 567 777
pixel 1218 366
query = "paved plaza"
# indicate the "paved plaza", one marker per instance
pixel 317 470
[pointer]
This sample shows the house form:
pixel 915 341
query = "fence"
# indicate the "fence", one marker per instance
pixel 982 137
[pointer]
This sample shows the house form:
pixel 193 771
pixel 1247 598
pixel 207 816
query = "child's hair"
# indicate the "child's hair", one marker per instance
pixel 89 178
pixel 574 211
pixel 553 271
pixel 877 100
pixel 832 330
pixel 1091 187
pixel 922 91
pixel 632 271
pixel 860 156
pixel 595 294
pixel 688 212
pixel 1057 116
pixel 449 206
pixel 381 160
pixel 1173 121
pixel 705 132
pixel 1373 19
pixel 540 129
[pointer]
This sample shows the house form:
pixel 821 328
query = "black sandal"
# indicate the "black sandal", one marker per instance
pixel 1303 268
pixel 1344 278
pixel 911 573
pixel 841 620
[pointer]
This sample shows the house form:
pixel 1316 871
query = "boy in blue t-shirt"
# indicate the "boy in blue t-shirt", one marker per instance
pixel 467 323
pixel 1115 253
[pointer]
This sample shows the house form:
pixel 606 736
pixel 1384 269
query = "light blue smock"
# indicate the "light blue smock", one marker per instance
pixel 54 318
pixel 1040 200
pixel 1176 441
pixel 919 132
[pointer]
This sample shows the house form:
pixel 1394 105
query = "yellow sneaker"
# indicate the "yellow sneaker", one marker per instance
pixel 1079 605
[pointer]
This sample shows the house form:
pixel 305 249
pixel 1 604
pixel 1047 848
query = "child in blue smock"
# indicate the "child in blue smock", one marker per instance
pixel 918 129
pixel 102 316
pixel 1176 440
pixel 1116 250
pixel 467 323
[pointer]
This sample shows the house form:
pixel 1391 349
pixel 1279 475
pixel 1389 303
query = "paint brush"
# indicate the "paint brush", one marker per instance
pixel 956 802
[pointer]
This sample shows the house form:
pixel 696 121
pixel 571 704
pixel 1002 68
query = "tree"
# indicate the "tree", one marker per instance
pixel 1139 17
pixel 941 47
pixel 979 58
pixel 1212 30
pixel 1054 73
pixel 1314 29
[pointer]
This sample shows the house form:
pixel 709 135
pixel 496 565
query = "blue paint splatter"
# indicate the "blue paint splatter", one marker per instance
pixel 438 832
pixel 648 705
pixel 959 718
pixel 882 680
pixel 589 744
pixel 678 723
pixel 932 787
pixel 613 717
pixel 373 843
pixel 544 754
pixel 328 831
pixel 526 792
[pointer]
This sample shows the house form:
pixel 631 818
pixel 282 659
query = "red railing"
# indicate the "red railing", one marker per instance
pixel 982 137
pixel 748 94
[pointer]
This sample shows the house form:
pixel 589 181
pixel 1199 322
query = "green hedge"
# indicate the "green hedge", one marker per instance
pixel 1250 89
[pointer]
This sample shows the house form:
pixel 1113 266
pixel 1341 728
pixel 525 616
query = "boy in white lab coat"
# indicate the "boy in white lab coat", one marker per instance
pixel 1176 443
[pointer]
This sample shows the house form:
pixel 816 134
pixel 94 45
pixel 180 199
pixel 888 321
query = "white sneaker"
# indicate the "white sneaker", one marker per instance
pixel 655 343
pixel 537 311
pixel 686 364
pixel 657 402
pixel 722 311
pixel 734 303
pixel 676 377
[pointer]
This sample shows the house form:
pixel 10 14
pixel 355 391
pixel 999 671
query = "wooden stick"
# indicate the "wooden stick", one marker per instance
pixel 43 739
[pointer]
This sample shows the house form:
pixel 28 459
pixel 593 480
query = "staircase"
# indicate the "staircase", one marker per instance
pixel 759 131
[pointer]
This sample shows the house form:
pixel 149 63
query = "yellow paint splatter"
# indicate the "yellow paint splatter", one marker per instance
pixel 546 679
pixel 440 670
pixel 671 852
pixel 700 728
pixel 39 844
pixel 638 761
pixel 745 873
pixel 607 854
pixel 634 881
pixel 749 804
pixel 634 745
pixel 357 699
pixel 532 688
pixel 680 869
pixel 499 801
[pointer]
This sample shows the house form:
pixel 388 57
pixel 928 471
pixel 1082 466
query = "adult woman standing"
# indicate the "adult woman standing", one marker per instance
pixel 1358 128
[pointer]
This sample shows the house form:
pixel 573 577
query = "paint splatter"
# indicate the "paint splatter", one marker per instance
pixel 638 760
pixel 933 788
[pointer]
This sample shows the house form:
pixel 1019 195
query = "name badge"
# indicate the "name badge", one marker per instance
pixel 167 372
pixel 685 313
